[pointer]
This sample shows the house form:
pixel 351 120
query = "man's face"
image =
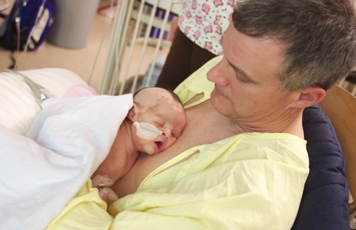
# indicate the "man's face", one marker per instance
pixel 246 83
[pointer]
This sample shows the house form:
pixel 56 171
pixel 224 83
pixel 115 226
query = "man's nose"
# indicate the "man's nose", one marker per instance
pixel 216 75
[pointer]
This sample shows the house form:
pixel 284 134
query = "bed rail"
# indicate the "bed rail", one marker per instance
pixel 143 14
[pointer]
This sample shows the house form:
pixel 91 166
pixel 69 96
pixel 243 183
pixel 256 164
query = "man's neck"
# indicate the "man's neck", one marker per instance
pixel 277 121
pixel 289 121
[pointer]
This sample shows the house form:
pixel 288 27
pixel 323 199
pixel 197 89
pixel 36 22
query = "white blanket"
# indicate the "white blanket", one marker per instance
pixel 40 173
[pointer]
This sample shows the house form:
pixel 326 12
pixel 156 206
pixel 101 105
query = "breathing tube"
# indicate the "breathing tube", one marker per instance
pixel 147 131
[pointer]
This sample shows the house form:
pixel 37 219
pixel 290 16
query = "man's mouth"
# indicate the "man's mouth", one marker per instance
pixel 217 91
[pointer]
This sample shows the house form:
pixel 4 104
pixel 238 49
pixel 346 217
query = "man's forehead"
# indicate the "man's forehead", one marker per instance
pixel 253 55
pixel 253 44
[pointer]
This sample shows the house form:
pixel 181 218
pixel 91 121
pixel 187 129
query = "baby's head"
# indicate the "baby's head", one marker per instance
pixel 160 108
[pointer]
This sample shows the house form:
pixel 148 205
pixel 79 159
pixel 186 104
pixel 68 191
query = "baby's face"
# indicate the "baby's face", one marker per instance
pixel 169 117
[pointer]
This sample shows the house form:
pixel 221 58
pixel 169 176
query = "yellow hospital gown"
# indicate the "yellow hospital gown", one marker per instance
pixel 248 181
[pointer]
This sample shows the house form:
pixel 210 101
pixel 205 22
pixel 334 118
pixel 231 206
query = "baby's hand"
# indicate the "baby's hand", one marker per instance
pixel 108 195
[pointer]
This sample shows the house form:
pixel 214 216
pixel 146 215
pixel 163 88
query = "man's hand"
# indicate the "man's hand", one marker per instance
pixel 174 29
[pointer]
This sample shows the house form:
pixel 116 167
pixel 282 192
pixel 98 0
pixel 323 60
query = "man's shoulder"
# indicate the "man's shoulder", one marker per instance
pixel 273 148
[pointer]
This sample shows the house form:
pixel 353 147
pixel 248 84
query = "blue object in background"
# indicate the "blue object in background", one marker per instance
pixel 156 71
pixel 160 15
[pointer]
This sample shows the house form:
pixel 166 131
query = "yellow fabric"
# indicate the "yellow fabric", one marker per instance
pixel 248 181
pixel 86 211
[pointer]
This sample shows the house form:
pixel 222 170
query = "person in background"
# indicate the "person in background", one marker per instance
pixel 196 36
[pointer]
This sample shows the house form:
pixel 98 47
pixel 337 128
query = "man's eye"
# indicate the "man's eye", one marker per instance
pixel 239 78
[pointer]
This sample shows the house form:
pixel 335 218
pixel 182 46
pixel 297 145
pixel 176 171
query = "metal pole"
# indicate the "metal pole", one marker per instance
pixel 119 50
pixel 148 30
pixel 159 42
pixel 113 39
pixel 132 46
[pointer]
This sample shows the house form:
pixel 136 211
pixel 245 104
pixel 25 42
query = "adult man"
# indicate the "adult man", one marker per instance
pixel 241 161
pixel 280 57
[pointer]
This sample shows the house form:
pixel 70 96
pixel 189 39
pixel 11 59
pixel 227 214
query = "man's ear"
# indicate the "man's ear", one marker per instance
pixel 308 97
pixel 132 113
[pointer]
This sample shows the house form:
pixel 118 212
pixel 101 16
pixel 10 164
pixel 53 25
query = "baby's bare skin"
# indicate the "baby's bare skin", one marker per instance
pixel 118 163
pixel 155 106
pixel 214 128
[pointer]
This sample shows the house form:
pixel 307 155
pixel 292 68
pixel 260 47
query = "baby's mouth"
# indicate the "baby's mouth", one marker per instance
pixel 159 146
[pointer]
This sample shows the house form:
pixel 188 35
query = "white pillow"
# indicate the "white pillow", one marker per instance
pixel 73 137
pixel 18 107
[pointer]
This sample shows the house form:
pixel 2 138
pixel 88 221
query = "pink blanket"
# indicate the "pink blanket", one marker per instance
pixel 80 91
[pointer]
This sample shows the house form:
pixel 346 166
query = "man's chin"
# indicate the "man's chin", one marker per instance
pixel 219 104
pixel 216 105
pixel 216 98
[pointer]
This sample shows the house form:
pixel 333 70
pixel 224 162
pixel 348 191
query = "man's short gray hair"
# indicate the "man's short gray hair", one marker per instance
pixel 320 36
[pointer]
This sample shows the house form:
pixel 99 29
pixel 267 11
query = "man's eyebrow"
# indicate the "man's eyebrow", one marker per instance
pixel 242 73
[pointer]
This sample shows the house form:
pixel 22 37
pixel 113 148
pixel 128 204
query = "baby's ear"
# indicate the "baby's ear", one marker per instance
pixel 132 113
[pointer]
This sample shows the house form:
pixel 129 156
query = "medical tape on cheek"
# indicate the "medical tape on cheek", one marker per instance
pixel 146 130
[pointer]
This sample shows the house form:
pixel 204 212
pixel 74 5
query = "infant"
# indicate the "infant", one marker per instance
pixel 152 125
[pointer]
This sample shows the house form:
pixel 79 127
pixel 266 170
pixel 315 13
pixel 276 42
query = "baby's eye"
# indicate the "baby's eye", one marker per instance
pixel 175 135
pixel 161 124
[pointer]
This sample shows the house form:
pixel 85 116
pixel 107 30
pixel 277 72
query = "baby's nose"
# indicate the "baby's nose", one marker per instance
pixel 167 134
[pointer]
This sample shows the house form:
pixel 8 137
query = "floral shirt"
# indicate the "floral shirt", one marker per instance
pixel 205 21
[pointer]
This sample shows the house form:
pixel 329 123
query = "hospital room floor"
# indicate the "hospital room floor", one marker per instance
pixel 79 61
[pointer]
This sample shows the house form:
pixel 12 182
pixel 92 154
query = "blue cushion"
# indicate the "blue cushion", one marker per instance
pixel 324 203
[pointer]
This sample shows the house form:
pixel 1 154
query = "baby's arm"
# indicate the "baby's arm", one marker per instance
pixel 104 182
pixel 106 192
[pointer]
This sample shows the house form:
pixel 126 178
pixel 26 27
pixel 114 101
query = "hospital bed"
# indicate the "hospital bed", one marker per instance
pixel 19 106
